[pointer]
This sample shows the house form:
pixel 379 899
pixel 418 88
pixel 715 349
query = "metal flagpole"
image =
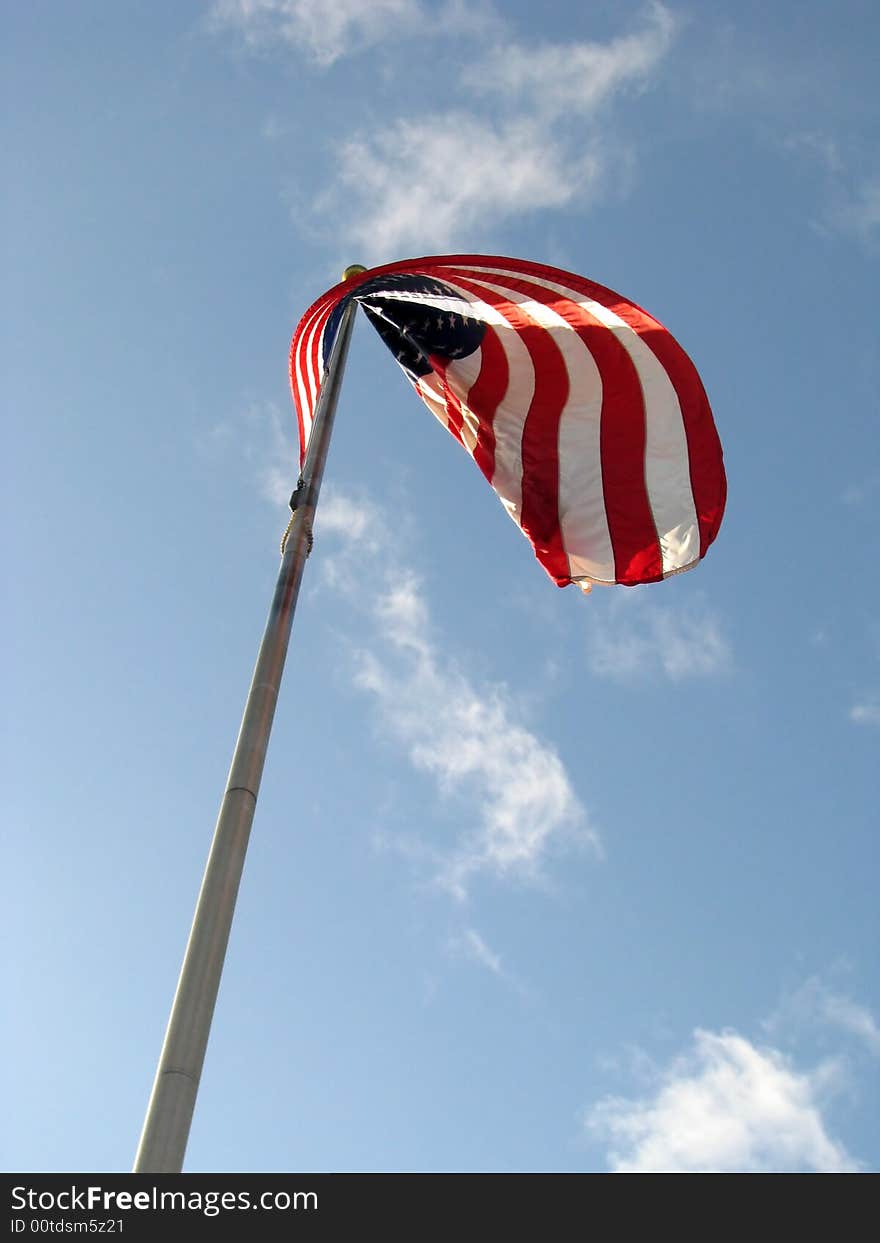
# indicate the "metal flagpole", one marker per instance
pixel 169 1113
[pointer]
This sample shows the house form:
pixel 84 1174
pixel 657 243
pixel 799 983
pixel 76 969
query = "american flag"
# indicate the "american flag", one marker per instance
pixel 583 413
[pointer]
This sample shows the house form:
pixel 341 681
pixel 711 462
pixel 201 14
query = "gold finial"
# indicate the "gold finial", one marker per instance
pixel 353 269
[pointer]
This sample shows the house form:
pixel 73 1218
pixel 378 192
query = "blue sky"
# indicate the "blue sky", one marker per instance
pixel 673 966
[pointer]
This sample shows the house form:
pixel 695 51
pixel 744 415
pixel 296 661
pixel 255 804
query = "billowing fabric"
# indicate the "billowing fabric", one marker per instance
pixel 584 414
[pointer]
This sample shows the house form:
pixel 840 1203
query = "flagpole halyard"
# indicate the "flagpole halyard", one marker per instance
pixel 169 1113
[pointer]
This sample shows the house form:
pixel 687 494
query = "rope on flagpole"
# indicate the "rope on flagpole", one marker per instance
pixel 294 509
pixel 310 539
pixel 286 534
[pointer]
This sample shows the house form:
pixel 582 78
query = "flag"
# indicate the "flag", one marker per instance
pixel 583 413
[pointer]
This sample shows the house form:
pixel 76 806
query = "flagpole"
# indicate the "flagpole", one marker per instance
pixel 169 1113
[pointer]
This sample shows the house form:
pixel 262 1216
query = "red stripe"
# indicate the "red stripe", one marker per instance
pixel 706 463
pixel 539 517
pixel 482 400
pixel 637 554
pixel 299 373
pixel 485 396
pixel 622 438
pixel 302 355
pixel 314 355
pixel 705 459
pixel 454 415
pixel 294 367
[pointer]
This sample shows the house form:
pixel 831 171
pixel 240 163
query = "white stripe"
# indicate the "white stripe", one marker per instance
pixel 433 300
pixel 510 415
pixel 583 522
pixel 428 388
pixel 306 388
pixel 314 370
pixel 461 375
pixel 667 463
pixel 301 397
pixel 302 368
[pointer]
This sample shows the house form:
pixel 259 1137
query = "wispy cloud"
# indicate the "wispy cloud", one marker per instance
pixel 725 1105
pixel 487 169
pixel 851 1017
pixel 814 1004
pixel 866 711
pixel 862 491
pixel 856 212
pixel 328 32
pixel 472 946
pixel 816 146
pixel 324 31
pixel 517 805
pixel 636 637
pixel 529 138
pixel 263 439
pixel 849 205
pixel 472 742
pixel 278 463
pixel 802 100
pixel 532 140
pixel 357 521
pixel 272 128
pixel 555 79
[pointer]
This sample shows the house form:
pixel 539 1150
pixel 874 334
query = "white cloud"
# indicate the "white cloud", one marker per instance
pixel 796 98
pixel 866 712
pixel 724 1106
pixel 857 213
pixel 448 179
pixel 438 180
pixel 851 184
pixel 357 521
pixel 470 739
pixel 562 78
pixel 325 31
pixel 863 491
pixel 328 31
pixel 472 742
pixel 815 1004
pixel 851 197
pixel 273 128
pixel 472 946
pixel 357 532
pixel 851 1017
pixel 817 147
pixel 279 460
pixel 266 441
pixel 636 637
